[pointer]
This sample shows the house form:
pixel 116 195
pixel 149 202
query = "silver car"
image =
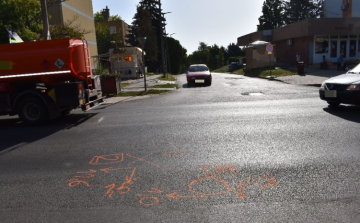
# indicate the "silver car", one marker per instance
pixel 342 89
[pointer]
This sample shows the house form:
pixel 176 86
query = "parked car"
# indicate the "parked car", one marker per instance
pixel 198 73
pixel 234 66
pixel 342 89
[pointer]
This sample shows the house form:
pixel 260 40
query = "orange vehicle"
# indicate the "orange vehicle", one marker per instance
pixel 45 79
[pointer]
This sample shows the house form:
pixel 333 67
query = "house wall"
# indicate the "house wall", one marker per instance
pixel 333 8
pixel 81 13
pixel 121 30
pixel 286 53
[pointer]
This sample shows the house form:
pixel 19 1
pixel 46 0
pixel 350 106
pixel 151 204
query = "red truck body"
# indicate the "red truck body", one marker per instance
pixel 55 72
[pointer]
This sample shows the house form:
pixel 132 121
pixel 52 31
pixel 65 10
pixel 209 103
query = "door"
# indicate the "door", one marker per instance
pixel 343 48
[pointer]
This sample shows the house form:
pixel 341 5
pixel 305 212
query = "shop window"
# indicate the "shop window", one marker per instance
pixel 352 52
pixel 333 48
pixel 344 36
pixel 321 44
pixel 353 36
pixel 343 48
pixel 129 59
pixel 334 37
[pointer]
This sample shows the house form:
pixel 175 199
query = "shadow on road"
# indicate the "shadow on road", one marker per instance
pixel 194 85
pixel 14 134
pixel 350 113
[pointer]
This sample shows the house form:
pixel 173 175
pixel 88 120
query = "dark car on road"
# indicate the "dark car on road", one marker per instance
pixel 198 74
pixel 342 89
pixel 234 66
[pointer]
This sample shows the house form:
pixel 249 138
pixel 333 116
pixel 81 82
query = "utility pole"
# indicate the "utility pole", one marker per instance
pixel 142 41
pixel 163 62
pixel 45 20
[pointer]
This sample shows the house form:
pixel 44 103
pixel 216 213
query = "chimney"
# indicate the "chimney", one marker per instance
pixel 106 14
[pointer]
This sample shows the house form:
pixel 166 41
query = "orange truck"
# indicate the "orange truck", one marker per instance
pixel 43 80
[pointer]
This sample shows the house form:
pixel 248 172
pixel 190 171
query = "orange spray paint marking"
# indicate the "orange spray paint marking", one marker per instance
pixel 219 170
pixel 149 201
pixel 240 192
pixel 111 190
pixel 269 183
pixel 153 190
pixel 90 174
pixel 249 178
pixel 177 196
pixel 137 159
pixel 77 182
pixel 107 159
pixel 226 185
pixel 123 189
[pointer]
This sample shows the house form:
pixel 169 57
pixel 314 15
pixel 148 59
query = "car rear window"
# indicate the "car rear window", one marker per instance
pixel 198 68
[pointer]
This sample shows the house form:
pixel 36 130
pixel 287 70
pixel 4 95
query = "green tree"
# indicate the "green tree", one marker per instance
pixel 177 55
pixel 24 17
pixel 200 56
pixel 103 38
pixel 146 29
pixel 98 17
pixel 215 62
pixel 21 16
pixel 302 9
pixel 273 15
pixel 157 21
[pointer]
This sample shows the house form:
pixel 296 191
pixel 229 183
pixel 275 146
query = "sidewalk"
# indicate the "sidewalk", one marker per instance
pixel 138 85
pixel 313 76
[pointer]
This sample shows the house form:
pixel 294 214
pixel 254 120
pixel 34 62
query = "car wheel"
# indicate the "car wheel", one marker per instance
pixel 333 104
pixel 32 111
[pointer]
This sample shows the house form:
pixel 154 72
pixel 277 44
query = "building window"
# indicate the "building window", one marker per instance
pixel 333 49
pixel 321 44
pixel 112 29
pixel 352 52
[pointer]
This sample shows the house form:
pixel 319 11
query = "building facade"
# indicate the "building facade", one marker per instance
pixel 80 13
pixel 119 28
pixel 336 34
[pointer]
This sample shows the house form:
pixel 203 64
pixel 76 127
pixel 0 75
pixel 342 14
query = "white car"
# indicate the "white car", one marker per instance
pixel 342 89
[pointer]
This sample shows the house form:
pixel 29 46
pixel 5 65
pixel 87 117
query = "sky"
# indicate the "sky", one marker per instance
pixel 218 22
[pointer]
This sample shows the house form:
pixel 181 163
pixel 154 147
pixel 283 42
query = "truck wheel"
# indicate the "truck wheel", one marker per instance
pixel 32 111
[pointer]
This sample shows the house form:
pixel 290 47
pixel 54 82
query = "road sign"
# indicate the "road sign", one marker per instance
pixel 269 48
pixel 217 56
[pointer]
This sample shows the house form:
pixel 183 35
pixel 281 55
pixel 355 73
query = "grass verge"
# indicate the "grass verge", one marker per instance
pixel 168 77
pixel 278 72
pixel 122 85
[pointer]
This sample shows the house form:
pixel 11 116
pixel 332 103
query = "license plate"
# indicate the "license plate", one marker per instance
pixel 199 81
pixel 330 94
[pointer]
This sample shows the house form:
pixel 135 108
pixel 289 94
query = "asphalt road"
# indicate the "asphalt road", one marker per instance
pixel 240 150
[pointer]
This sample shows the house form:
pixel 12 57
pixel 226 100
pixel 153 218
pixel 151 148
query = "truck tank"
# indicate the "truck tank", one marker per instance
pixel 49 62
